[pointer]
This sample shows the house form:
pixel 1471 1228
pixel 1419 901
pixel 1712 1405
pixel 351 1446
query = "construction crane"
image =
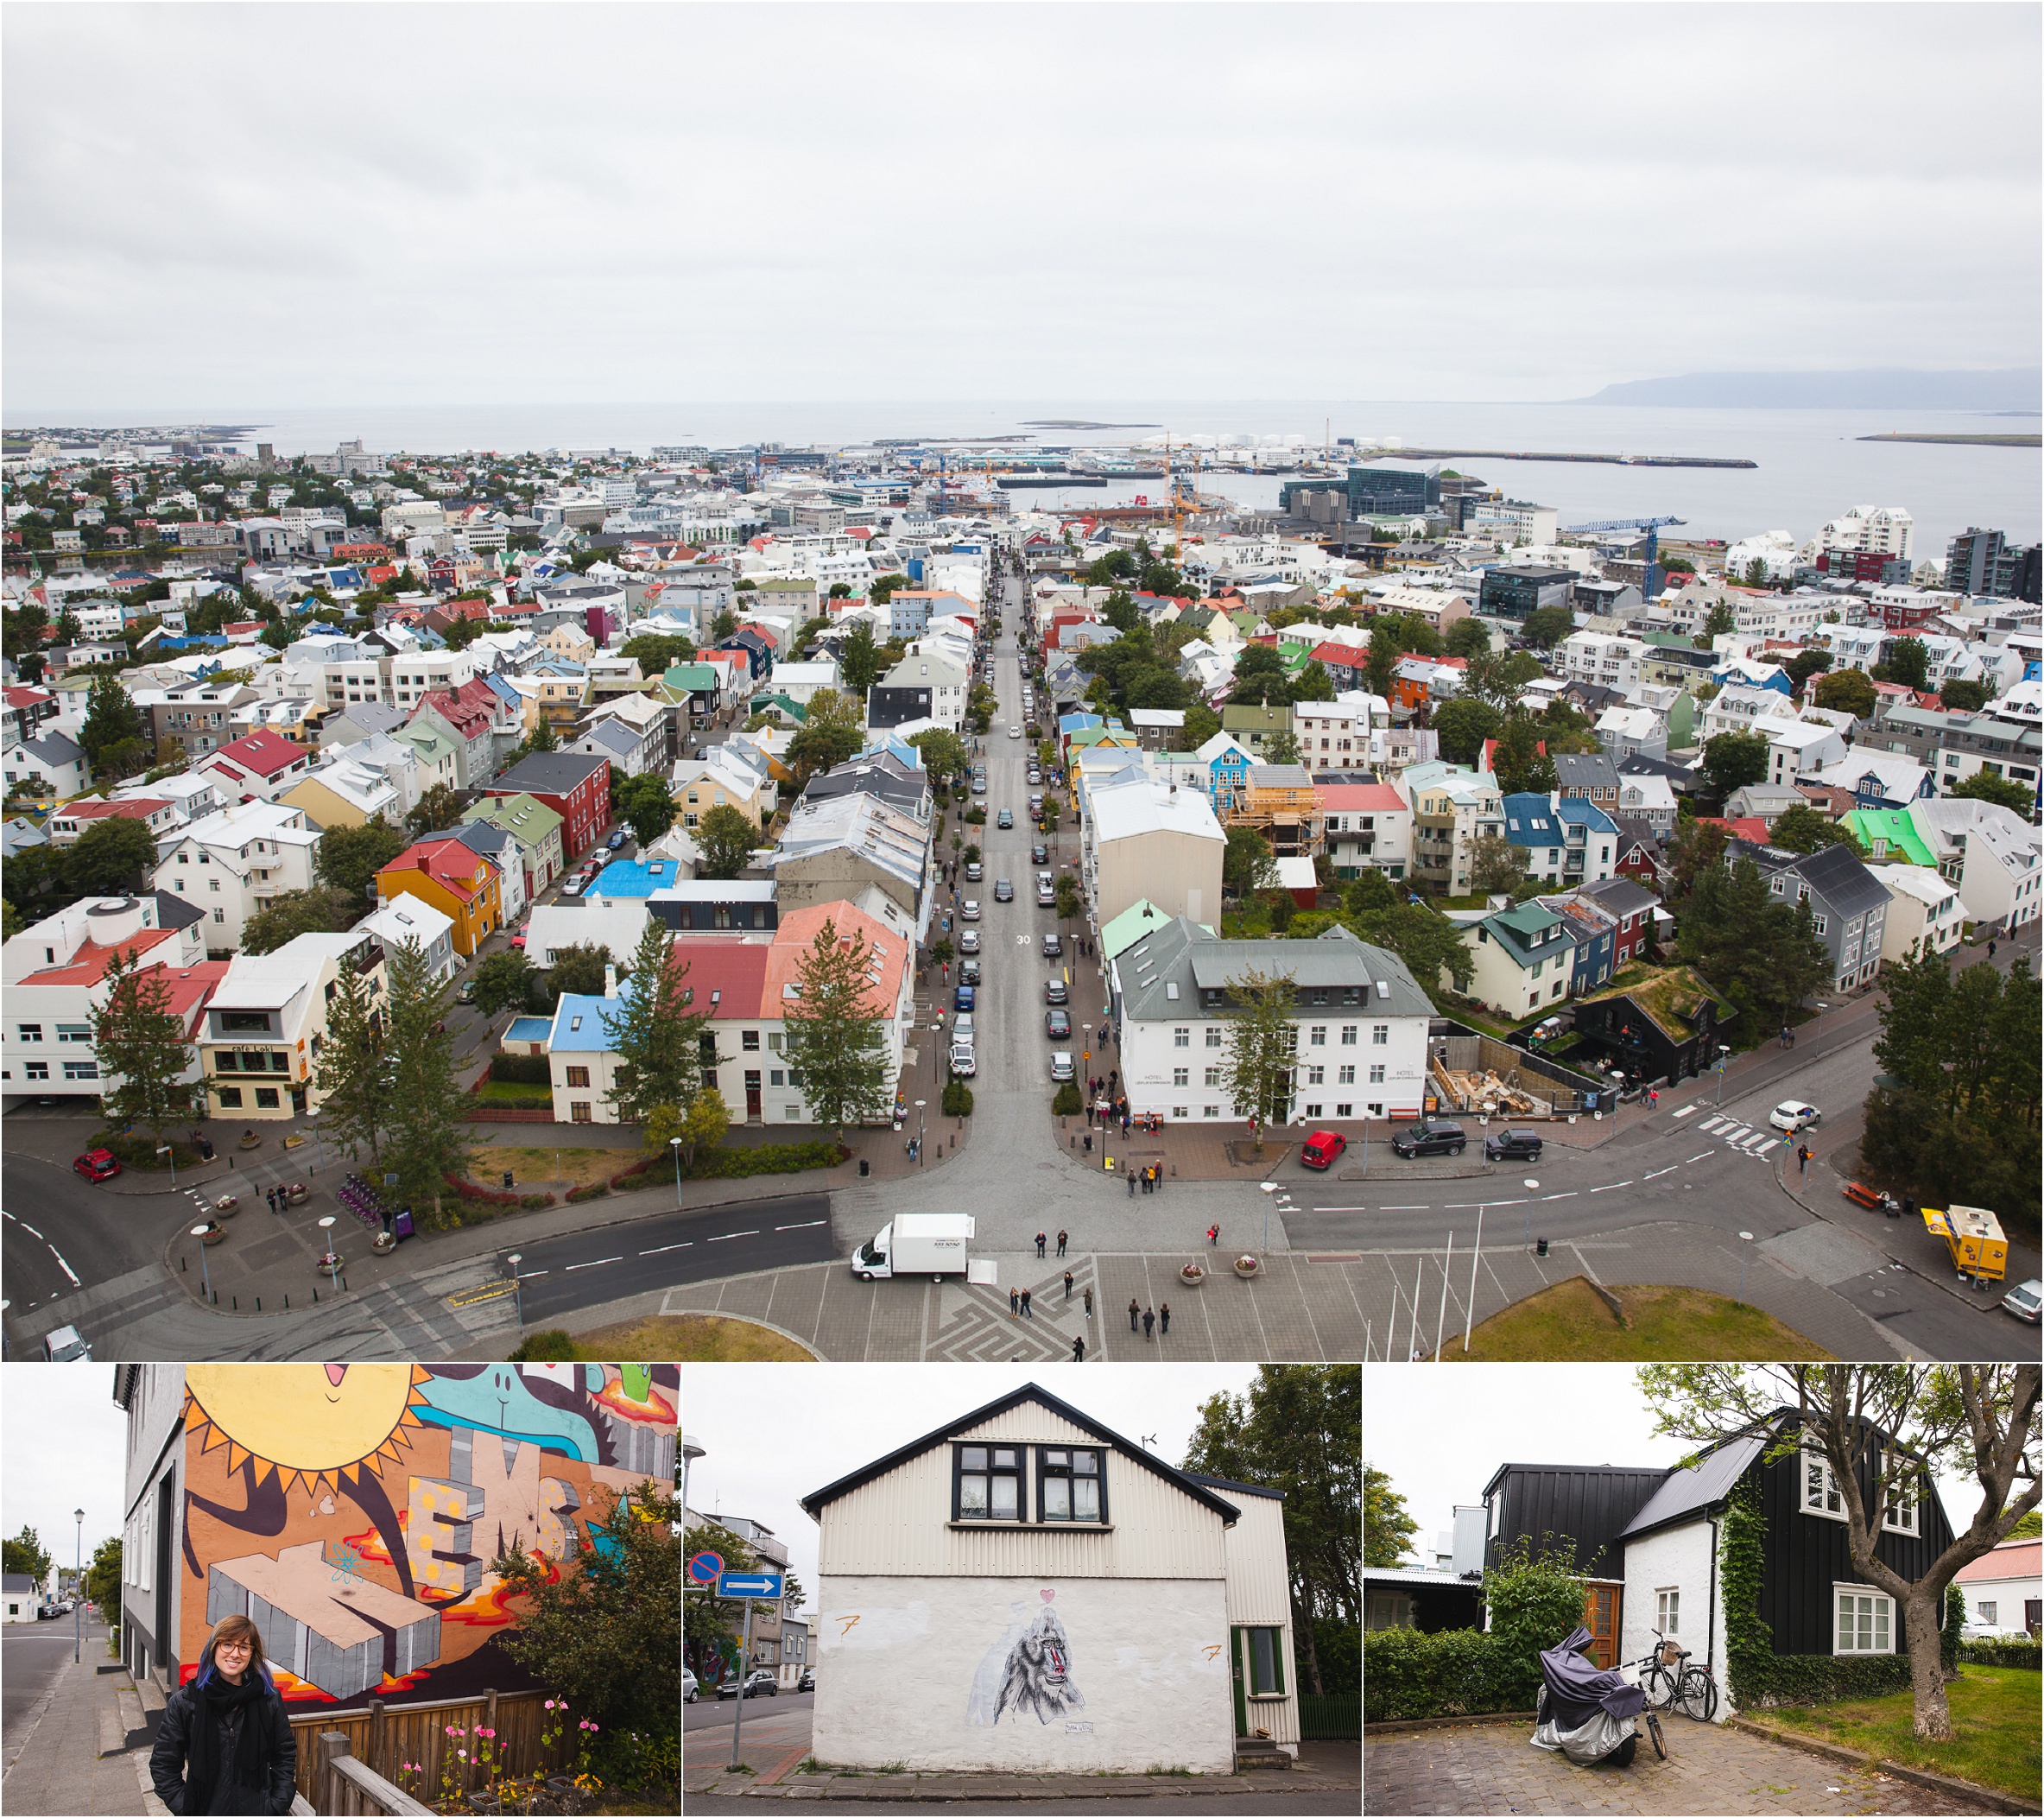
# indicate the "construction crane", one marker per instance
pixel 1650 525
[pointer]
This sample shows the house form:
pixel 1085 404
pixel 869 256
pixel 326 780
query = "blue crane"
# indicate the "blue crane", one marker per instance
pixel 1650 525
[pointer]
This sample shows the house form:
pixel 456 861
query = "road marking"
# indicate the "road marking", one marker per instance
pixel 65 1266
pixel 1658 1172
pixel 527 1275
pixel 664 1247
pixel 1361 1208
pixel 1705 1157
pixel 32 1231
pixel 811 1225
pixel 1569 1195
pixel 1771 1142
pixel 734 1234
pixel 1406 1208
pixel 1687 1111
pixel 597 1264
pixel 1715 1122
pixel 1611 1188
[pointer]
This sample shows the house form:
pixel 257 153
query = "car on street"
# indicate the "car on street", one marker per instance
pixel 595 861
pixel 1794 1117
pixel 1429 1139
pixel 1060 1063
pixel 688 1686
pixel 518 942
pixel 616 842
pixel 970 909
pixel 965 998
pixel 1035 804
pixel 98 1164
pixel 574 886
pixel 807 1681
pixel 65 1345
pixel 980 785
pixel 975 871
pixel 1054 991
pixel 1054 947
pixel 1035 776
pixel 968 971
pixel 1057 1024
pixel 467 993
pixel 1014 731
pixel 1323 1149
pixel 969 940
pixel 2024 1302
pixel 1046 890
pixel 1513 1145
pixel 760 1682
pixel 1039 853
pixel 1006 818
pixel 961 1026
pixel 1003 891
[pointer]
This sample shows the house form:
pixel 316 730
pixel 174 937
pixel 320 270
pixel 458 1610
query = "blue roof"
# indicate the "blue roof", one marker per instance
pixel 1076 722
pixel 581 1025
pixel 503 689
pixel 1530 820
pixel 1580 810
pixel 529 1028
pixel 633 878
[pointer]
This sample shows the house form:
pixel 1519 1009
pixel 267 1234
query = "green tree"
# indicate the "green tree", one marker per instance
pixel 577 970
pixel 712 1627
pixel 1299 1431
pixel 725 839
pixel 143 1053
pixel 1520 763
pixel 26 1556
pixel 350 1074
pixel 349 857
pixel 1889 1425
pixel 1547 626
pixel 439 809
pixel 1201 724
pixel 1387 1527
pixel 1909 662
pixel 1066 891
pixel 1119 611
pixel 1248 864
pixel 1961 696
pixel 103 1577
pixel 1495 863
pixel 1733 760
pixel 426 1138
pixel 1802 829
pixel 1535 1594
pixel 1759 952
pixel 1261 1047
pixel 321 910
pixel 1470 636
pixel 1462 724
pixel 503 981
pixel 657 653
pixel 833 733
pixel 858 660
pixel 943 754
pixel 113 854
pixel 1756 573
pixel 1985 785
pixel 112 719
pixel 1846 691
pixel 886 586
pixel 1313 682
pixel 656 1032
pixel 1282 747
pixel 647 804
pixel 1803 665
pixel 698 1127
pixel 541 737
pixel 1499 677
pixel 1260 677
pixel 837 1053
pixel 1719 621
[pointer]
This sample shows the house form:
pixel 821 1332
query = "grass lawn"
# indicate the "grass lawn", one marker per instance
pixel 699 1337
pixel 1994 1729
pixel 535 1168
pixel 1667 1324
pixel 500 1090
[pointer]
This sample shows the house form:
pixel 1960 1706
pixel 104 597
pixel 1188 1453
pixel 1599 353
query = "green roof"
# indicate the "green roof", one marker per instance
pixel 1894 826
pixel 692 676
pixel 525 818
pixel 1141 917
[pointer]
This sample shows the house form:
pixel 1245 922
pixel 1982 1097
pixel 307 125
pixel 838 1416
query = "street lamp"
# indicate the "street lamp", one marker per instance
pixel 1745 1239
pixel 692 1449
pixel 1723 1052
pixel 517 1289
pixel 675 1143
pixel 920 1123
pixel 1269 1187
pixel 332 1257
pixel 167 1149
pixel 1532 1186
pixel 319 1143
pixel 1821 1007
pixel 205 1274
pixel 78 1585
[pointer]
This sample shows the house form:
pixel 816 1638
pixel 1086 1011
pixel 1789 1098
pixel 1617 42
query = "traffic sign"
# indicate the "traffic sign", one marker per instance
pixel 750 1584
pixel 706 1568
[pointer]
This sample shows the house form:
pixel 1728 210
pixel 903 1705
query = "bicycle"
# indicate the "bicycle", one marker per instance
pixel 1675 1684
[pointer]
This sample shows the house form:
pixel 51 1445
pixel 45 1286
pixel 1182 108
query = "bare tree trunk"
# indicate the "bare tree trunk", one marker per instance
pixel 1927 1665
pixel 1310 1659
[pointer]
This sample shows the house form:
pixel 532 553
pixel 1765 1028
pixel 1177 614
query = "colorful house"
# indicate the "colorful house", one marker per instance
pixel 460 883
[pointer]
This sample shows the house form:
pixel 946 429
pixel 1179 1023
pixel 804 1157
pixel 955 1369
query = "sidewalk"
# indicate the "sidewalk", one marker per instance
pixel 72 1754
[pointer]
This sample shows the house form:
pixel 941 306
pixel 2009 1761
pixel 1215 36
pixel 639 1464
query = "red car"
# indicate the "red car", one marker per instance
pixel 1323 1149
pixel 98 1164
pixel 518 943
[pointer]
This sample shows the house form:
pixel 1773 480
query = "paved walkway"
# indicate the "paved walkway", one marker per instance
pixel 70 1755
pixel 1493 1768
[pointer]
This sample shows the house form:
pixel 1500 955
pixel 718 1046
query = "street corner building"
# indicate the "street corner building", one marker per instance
pixel 351 1510
pixel 1037 1594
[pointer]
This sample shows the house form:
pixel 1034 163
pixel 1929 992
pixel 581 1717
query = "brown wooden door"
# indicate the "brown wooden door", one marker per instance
pixel 1600 1617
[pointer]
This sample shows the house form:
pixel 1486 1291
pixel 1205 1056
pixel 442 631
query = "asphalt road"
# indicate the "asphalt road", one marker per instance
pixel 62 1231
pixel 34 1653
pixel 710 1712
pixel 564 1275
pixel 1293 1801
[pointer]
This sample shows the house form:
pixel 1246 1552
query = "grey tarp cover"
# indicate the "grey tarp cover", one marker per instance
pixel 1585 1710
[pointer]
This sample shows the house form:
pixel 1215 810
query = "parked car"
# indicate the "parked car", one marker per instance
pixel 968 971
pixel 1794 1117
pixel 65 1345
pixel 980 785
pixel 1047 889
pixel 1039 853
pixel 1323 1149
pixel 1060 1064
pixel 1054 947
pixel 518 942
pixel 1513 1145
pixel 595 861
pixel 1429 1139
pixel 616 841
pixel 1006 818
pixel 1035 804
pixel 760 1682
pixel 1057 1024
pixel 961 1025
pixel 1036 777
pixel 688 1686
pixel 975 871
pixel 969 940
pixel 2024 1302
pixel 575 885
pixel 1003 891
pixel 970 909
pixel 98 1164
pixel 807 1681
pixel 1054 991
pixel 467 993
pixel 964 1000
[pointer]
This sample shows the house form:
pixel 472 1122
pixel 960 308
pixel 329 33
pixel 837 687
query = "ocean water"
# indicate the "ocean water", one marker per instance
pixel 1811 464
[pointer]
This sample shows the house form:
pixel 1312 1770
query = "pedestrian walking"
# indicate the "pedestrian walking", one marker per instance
pixel 1131 1172
pixel 224 1742
pixel 1802 1159
pixel 1027 1312
pixel 1213 1236
pixel 1067 1284
pixel 1087 1296
pixel 1079 1349
pixel 1164 1318
pixel 1990 949
pixel 1149 1322
pixel 1013 1303
pixel 1040 1241
pixel 271 1195
pixel 1134 1311
pixel 1061 1239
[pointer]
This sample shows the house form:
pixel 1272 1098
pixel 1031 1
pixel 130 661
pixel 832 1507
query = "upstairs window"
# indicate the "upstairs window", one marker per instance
pixel 1070 1484
pixel 1820 1486
pixel 987 1484
pixel 1901 1515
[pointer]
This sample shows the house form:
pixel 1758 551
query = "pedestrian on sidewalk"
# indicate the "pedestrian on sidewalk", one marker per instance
pixel 1067 1284
pixel 1149 1322
pixel 1013 1303
pixel 1802 1159
pixel 1061 1241
pixel 1027 1314
pixel 1087 1296
pixel 224 1742
pixel 1079 1349
pixel 1990 949
pixel 1213 1236
pixel 1131 1172
pixel 271 1195
pixel 1134 1311
pixel 1164 1318
pixel 1040 1241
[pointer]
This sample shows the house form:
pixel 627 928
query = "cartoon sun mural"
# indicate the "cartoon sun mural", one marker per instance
pixel 363 1413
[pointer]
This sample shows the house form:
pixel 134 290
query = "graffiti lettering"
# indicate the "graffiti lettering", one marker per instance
pixel 851 1622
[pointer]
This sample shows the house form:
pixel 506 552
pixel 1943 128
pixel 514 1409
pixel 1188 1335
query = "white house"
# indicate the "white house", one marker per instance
pixel 232 863
pixel 53 764
pixel 1989 851
pixel 408 920
pixel 1142 839
pixel 2003 1589
pixel 1923 911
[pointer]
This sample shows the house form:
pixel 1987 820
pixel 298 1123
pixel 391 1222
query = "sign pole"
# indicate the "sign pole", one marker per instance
pixel 744 1669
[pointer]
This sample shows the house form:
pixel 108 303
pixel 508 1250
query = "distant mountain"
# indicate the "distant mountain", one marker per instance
pixel 1876 388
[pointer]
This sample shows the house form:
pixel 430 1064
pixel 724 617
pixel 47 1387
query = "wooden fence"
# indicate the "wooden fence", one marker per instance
pixel 382 1738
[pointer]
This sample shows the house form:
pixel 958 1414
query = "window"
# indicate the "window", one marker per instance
pixel 987 1484
pixel 749 1041
pixel 1348 1034
pixel 1211 1110
pixel 36 1070
pixel 578 1076
pixel 1213 1037
pixel 1380 1034
pixel 1069 1484
pixel 1376 1075
pixel 1821 1486
pixel 1180 1111
pixel 1265 1648
pixel 81 1070
pixel 1866 1622
pixel 1668 1610
pixel 229 1096
pixel 1987 1611
pixel 1899 1516
pixel 213 884
pixel 266 1098
pixel 30 1031
pixel 1181 1038
pixel 578 1111
pixel 1319 1037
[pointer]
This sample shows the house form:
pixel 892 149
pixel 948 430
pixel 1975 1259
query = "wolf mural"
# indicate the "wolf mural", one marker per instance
pixel 1028 1669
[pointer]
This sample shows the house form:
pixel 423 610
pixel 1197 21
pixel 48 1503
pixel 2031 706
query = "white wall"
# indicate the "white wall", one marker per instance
pixel 1147 1658
pixel 1678 1557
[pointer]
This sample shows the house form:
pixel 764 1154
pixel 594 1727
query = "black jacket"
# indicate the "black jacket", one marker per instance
pixel 173 1741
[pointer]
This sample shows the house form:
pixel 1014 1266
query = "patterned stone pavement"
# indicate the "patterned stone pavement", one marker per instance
pixel 1710 1770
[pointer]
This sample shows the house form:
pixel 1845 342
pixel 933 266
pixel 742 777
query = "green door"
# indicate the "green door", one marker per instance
pixel 1241 1693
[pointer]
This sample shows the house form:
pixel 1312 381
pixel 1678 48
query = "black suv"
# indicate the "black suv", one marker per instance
pixel 1513 1145
pixel 1429 1139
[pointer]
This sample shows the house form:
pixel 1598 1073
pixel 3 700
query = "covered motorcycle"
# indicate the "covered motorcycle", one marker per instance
pixel 1585 1711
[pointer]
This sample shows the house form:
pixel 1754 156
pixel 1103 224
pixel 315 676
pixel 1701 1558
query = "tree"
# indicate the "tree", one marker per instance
pixel 1756 573
pixel 350 1074
pixel 700 1125
pixel 1756 950
pixel 1282 747
pixel 1471 636
pixel 503 981
pixel 1201 724
pixel 1313 682
pixel 439 807
pixel 1520 763
pixel 112 719
pixel 426 1140
pixel 1803 665
pixel 143 1053
pixel 655 653
pixel 1388 1528
pixel 1495 863
pixel 1462 725
pixel 647 804
pixel 886 586
pixel 1119 611
pixel 1262 1047
pixel 943 754
pixel 1802 829
pixel 113 854
pixel 836 1052
pixel 607 1636
pixel 26 1556
pixel 1846 691
pixel 1734 760
pixel 102 1576
pixel 321 910
pixel 656 1033
pixel 835 733
pixel 725 839
pixel 1719 621
pixel 1066 891
pixel 349 857
pixel 577 970
pixel 541 737
pixel 1909 662
pixel 1260 677
pixel 1886 1427
pixel 1985 785
pixel 1961 696
pixel 1499 677
pixel 859 658
pixel 1248 864
pixel 1547 626
pixel 1298 1430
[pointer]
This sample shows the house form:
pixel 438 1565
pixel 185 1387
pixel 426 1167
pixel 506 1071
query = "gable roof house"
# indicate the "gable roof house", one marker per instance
pixel 1664 1029
pixel 1040 1592
pixel 1991 852
pixel 1524 958
pixel 1848 903
pixel 260 767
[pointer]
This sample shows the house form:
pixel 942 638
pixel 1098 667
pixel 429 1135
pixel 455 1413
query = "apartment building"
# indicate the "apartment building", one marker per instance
pixel 266 1023
pixel 1453 806
pixel 231 863
pixel 1367 827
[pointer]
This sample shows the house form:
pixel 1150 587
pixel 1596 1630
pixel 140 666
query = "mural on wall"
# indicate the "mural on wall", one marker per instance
pixel 1027 1669
pixel 351 1510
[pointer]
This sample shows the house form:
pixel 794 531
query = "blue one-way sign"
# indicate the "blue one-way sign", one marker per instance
pixel 750 1584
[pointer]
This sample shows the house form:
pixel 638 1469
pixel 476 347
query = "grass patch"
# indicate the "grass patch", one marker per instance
pixel 530 1167
pixel 1994 1729
pixel 1665 1324
pixel 697 1337
pixel 512 1091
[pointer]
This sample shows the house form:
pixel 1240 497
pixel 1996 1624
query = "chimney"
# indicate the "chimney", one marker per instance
pixel 609 981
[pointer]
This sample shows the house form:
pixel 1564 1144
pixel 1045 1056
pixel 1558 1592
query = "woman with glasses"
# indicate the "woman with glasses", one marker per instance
pixel 224 1743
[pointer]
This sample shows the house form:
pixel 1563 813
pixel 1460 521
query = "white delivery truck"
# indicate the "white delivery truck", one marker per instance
pixel 916 1243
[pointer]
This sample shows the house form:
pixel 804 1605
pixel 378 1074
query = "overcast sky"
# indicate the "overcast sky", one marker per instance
pixel 1533 1414
pixel 63 1446
pixel 772 1432
pixel 207 205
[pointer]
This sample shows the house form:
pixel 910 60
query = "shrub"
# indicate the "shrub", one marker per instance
pixel 595 1190
pixel 720 1164
pixel 520 1069
pixel 534 1201
pixel 1534 1597
pixel 2000 1651
pixel 482 1196
pixel 1827 1678
pixel 551 1346
pixel 1067 1102
pixel 631 1180
pixel 1456 1673
pixel 137 1149
pixel 957 1101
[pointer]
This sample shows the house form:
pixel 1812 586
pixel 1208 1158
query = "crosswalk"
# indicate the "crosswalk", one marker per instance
pixel 1741 1136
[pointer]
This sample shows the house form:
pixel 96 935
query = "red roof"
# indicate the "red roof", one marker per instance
pixel 1362 798
pixel 28 697
pixel 1346 656
pixel 469 718
pixel 88 965
pixel 1749 827
pixel 2012 1559
pixel 448 862
pixel 132 808
pixel 263 751
pixel 734 972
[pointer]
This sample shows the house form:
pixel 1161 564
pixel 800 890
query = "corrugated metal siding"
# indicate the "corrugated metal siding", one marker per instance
pixel 897 1524
pixel 1590 1507
pixel 1259 1583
